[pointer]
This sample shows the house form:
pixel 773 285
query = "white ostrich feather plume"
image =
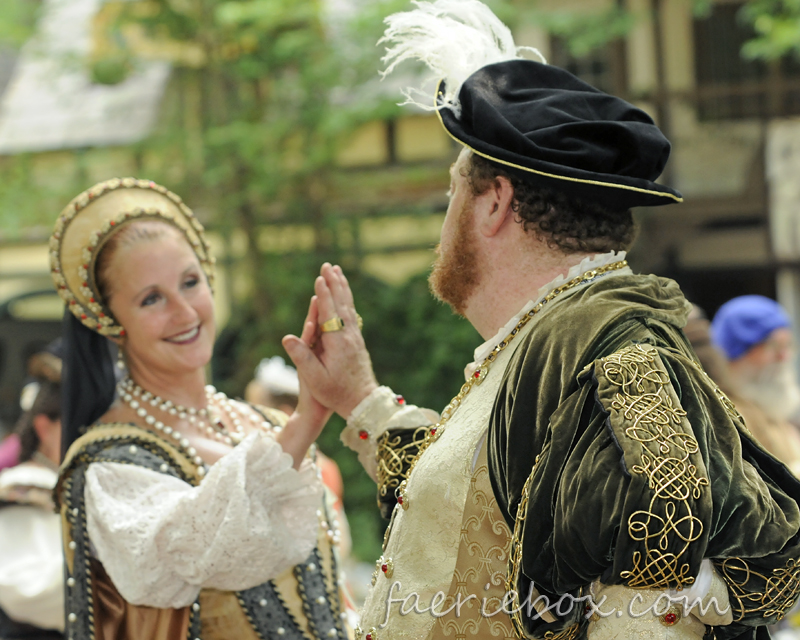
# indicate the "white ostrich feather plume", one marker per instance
pixel 454 38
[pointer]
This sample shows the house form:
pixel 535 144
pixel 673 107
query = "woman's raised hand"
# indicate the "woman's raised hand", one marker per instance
pixel 333 362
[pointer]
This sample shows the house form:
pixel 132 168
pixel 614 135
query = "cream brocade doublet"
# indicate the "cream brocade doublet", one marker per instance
pixel 423 540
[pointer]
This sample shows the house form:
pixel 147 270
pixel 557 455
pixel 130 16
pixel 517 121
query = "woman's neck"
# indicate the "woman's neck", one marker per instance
pixel 186 389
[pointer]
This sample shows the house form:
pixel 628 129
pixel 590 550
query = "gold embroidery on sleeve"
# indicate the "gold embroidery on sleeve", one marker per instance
pixel 394 459
pixel 781 588
pixel 653 418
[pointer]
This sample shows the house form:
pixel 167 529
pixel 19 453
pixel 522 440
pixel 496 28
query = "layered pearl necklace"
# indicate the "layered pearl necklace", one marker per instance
pixel 205 420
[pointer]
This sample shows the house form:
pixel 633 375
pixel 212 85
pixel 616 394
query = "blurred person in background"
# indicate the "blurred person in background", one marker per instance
pixel 9 451
pixel 755 335
pixel 31 560
pixel 710 356
pixel 275 385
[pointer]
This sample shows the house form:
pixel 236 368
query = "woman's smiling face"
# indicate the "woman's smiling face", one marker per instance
pixel 159 294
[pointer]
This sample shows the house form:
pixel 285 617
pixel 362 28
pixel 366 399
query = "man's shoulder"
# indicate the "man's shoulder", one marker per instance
pixel 617 297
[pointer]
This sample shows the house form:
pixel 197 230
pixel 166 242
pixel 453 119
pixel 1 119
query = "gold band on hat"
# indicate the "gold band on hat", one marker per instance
pixel 86 224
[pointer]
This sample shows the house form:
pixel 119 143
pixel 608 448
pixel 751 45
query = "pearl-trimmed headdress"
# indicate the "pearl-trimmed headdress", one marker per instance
pixel 86 224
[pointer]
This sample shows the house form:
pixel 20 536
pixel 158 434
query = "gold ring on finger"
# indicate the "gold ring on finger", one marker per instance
pixel 360 322
pixel 334 324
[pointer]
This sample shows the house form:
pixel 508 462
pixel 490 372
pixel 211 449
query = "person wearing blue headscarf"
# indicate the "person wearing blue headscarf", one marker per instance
pixel 754 333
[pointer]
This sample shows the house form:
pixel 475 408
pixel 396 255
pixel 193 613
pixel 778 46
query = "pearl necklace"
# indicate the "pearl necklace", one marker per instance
pixel 205 420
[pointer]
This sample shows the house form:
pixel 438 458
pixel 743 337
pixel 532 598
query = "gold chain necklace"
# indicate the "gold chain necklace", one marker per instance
pixel 435 432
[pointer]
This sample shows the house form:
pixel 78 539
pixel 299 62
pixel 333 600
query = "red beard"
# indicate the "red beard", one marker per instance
pixel 455 274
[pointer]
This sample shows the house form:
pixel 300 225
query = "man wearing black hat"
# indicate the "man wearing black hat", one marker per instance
pixel 589 480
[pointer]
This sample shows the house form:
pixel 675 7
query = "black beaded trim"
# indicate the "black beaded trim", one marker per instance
pixel 268 613
pixel 78 603
pixel 195 626
pixel 323 617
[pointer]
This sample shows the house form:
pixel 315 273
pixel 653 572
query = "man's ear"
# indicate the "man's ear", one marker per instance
pixel 497 206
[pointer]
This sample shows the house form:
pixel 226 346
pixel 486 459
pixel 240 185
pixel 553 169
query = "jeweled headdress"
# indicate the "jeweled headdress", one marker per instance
pixel 86 224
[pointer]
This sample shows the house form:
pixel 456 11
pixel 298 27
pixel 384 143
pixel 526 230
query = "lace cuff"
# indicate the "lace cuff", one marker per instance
pixel 377 413
pixel 161 540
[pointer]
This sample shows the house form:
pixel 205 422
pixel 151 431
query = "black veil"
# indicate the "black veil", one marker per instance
pixel 88 379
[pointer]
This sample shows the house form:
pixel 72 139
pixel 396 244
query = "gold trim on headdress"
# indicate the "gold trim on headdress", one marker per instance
pixel 104 209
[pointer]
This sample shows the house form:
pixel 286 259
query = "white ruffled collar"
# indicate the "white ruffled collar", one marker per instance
pixel 591 262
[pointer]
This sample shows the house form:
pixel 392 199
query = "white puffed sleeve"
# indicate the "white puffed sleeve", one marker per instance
pixel 380 411
pixel 161 539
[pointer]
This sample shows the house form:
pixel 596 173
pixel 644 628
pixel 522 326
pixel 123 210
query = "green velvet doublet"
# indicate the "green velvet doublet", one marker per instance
pixel 614 457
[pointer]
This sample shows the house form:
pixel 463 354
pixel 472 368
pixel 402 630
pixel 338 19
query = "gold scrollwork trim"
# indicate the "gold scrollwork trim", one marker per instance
pixel 654 419
pixel 394 458
pixel 570 633
pixel 780 591
pixel 515 561
pixel 515 556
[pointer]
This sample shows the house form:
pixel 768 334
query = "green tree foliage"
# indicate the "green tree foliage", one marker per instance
pixel 777 27
pixel 17 21
pixel 256 125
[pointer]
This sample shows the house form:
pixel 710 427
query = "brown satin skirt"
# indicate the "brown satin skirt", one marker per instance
pixel 221 615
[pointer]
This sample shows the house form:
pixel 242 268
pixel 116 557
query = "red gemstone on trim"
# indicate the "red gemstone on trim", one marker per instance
pixel 101 315
pixel 400 400
pixel 433 431
pixel 122 332
pixel 670 618
pixel 363 434
pixel 385 567
pixel 400 500
pixel 83 316
pixel 112 223
pixel 477 374
pixel 368 636
pixel 91 299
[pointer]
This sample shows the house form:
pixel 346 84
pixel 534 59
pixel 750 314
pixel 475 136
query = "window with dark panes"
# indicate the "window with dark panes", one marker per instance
pixel 728 85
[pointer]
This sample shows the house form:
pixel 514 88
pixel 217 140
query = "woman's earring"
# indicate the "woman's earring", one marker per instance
pixel 120 359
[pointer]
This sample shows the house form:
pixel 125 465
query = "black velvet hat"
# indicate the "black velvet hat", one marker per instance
pixel 554 130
